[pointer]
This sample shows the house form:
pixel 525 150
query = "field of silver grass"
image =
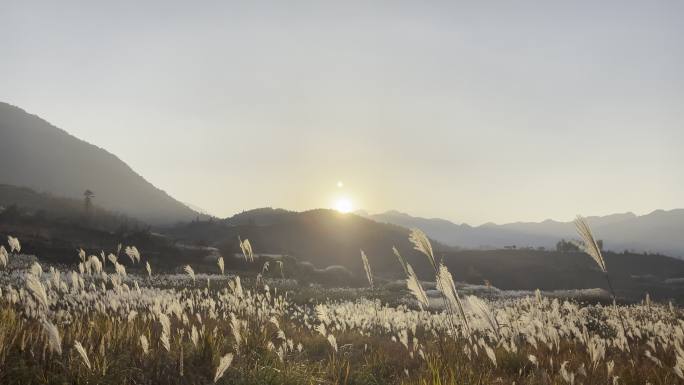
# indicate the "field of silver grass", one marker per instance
pixel 97 324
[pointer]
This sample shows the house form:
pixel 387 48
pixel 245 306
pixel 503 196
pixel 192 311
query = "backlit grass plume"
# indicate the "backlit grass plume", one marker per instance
pixel 188 270
pixel 54 340
pixel 443 278
pixel 446 285
pixel 402 260
pixel 221 265
pixel 333 342
pixel 165 341
pixel 422 243
pixel 13 244
pixel 81 351
pixel 589 244
pixel 224 364
pixel 482 309
pixel 144 344
pixel 36 269
pixel 414 286
pixel 133 253
pixel 367 268
pixel 246 248
pixel 36 288
pixel 4 257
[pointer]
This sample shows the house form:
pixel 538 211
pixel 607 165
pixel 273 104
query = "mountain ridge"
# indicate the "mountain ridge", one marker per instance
pixel 659 231
pixel 39 155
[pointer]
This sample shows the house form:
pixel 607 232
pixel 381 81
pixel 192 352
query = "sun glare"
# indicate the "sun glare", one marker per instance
pixel 343 205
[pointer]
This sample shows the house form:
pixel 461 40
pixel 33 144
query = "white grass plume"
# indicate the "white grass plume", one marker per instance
pixel 84 356
pixel 414 286
pixel 133 253
pixel 36 288
pixel 221 264
pixel 120 269
pixel 445 283
pixel 165 323
pixel 332 341
pixel 190 272
pixel 144 344
pixel 148 268
pixel 235 326
pixel 236 287
pixel 402 260
pixel 224 364
pixel 4 257
pixel 194 336
pixel 164 338
pixel 36 269
pixel 589 245
pixel 367 268
pixel 93 264
pixel 54 340
pixel 246 248
pixel 490 354
pixel 422 243
pixel 13 244
pixel 483 310
pixel 567 375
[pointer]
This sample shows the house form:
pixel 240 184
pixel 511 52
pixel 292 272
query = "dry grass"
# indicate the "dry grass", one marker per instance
pixel 102 326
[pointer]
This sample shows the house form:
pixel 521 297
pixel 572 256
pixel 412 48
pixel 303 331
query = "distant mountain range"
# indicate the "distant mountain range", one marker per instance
pixel 38 155
pixel 658 232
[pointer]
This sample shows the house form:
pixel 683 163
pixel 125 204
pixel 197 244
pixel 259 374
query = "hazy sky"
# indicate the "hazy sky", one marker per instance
pixel 472 111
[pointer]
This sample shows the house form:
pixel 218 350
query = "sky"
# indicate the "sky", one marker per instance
pixel 483 111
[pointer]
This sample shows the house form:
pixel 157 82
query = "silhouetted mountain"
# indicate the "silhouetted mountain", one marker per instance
pixel 658 232
pixel 322 237
pixel 261 217
pixel 36 154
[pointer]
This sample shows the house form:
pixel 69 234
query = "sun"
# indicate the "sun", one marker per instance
pixel 344 205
